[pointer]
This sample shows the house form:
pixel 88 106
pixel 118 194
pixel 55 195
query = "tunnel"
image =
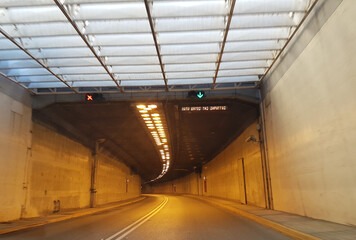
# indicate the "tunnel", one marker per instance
pixel 177 119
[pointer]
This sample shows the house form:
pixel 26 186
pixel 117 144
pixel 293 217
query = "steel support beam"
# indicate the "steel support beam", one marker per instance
pixel 141 18
pixel 35 59
pixel 62 8
pixel 232 7
pixel 166 44
pixel 144 32
pixel 156 43
pixel 148 55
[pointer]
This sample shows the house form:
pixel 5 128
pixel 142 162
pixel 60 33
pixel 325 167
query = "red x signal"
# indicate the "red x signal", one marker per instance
pixel 89 97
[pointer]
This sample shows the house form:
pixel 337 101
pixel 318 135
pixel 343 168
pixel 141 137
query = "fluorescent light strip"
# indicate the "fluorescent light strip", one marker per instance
pixel 154 123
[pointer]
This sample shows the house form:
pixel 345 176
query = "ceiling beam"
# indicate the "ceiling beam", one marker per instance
pixel 49 35
pixel 287 42
pixel 175 71
pixel 35 21
pixel 156 43
pixel 150 55
pixel 232 7
pixel 166 44
pixel 35 59
pixel 62 8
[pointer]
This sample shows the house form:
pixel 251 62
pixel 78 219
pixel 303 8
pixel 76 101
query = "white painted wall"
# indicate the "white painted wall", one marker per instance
pixel 311 124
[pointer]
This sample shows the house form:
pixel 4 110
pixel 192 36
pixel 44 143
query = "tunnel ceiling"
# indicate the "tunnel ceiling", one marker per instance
pixel 71 46
pixel 195 137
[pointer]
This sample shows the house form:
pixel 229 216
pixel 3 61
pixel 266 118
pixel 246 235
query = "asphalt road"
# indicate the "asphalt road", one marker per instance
pixel 157 217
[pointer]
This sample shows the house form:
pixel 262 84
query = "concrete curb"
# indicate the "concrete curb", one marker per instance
pixel 295 234
pixel 75 215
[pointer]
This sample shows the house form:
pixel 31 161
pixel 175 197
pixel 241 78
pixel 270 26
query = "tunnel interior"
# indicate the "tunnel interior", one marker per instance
pixel 196 136
pixel 257 98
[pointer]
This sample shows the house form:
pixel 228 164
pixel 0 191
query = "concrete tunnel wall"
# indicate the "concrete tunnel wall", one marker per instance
pixel 310 114
pixel 310 108
pixel 224 176
pixel 15 139
pixel 40 166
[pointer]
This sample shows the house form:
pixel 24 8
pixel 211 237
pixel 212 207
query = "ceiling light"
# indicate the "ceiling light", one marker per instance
pixel 153 122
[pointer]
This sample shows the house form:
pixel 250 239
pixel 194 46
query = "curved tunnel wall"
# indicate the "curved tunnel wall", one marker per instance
pixel 232 173
pixel 43 171
pixel 60 169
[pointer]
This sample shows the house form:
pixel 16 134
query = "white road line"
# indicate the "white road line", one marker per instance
pixel 139 222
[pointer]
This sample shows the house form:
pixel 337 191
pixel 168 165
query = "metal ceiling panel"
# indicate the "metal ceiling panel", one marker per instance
pixel 190 81
pixel 190 75
pixel 189 49
pixel 237 79
pixel 137 69
pixel 190 67
pixel 105 43
pixel 143 83
pixel 175 9
pixel 189 24
pixel 244 64
pixel 197 58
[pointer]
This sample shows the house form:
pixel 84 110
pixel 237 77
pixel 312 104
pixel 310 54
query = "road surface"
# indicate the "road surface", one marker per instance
pixel 156 217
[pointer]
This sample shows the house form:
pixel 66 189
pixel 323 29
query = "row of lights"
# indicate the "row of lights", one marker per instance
pixel 151 116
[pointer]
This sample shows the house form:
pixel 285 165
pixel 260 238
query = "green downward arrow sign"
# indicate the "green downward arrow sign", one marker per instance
pixel 200 94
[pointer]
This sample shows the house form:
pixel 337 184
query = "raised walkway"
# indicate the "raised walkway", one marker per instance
pixel 23 224
pixel 292 225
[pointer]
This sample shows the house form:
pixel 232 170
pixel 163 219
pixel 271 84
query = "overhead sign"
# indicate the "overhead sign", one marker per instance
pixel 203 108
pixel 196 94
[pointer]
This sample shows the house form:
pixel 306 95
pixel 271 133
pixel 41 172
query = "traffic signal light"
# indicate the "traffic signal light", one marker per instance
pixel 196 94
pixel 92 97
